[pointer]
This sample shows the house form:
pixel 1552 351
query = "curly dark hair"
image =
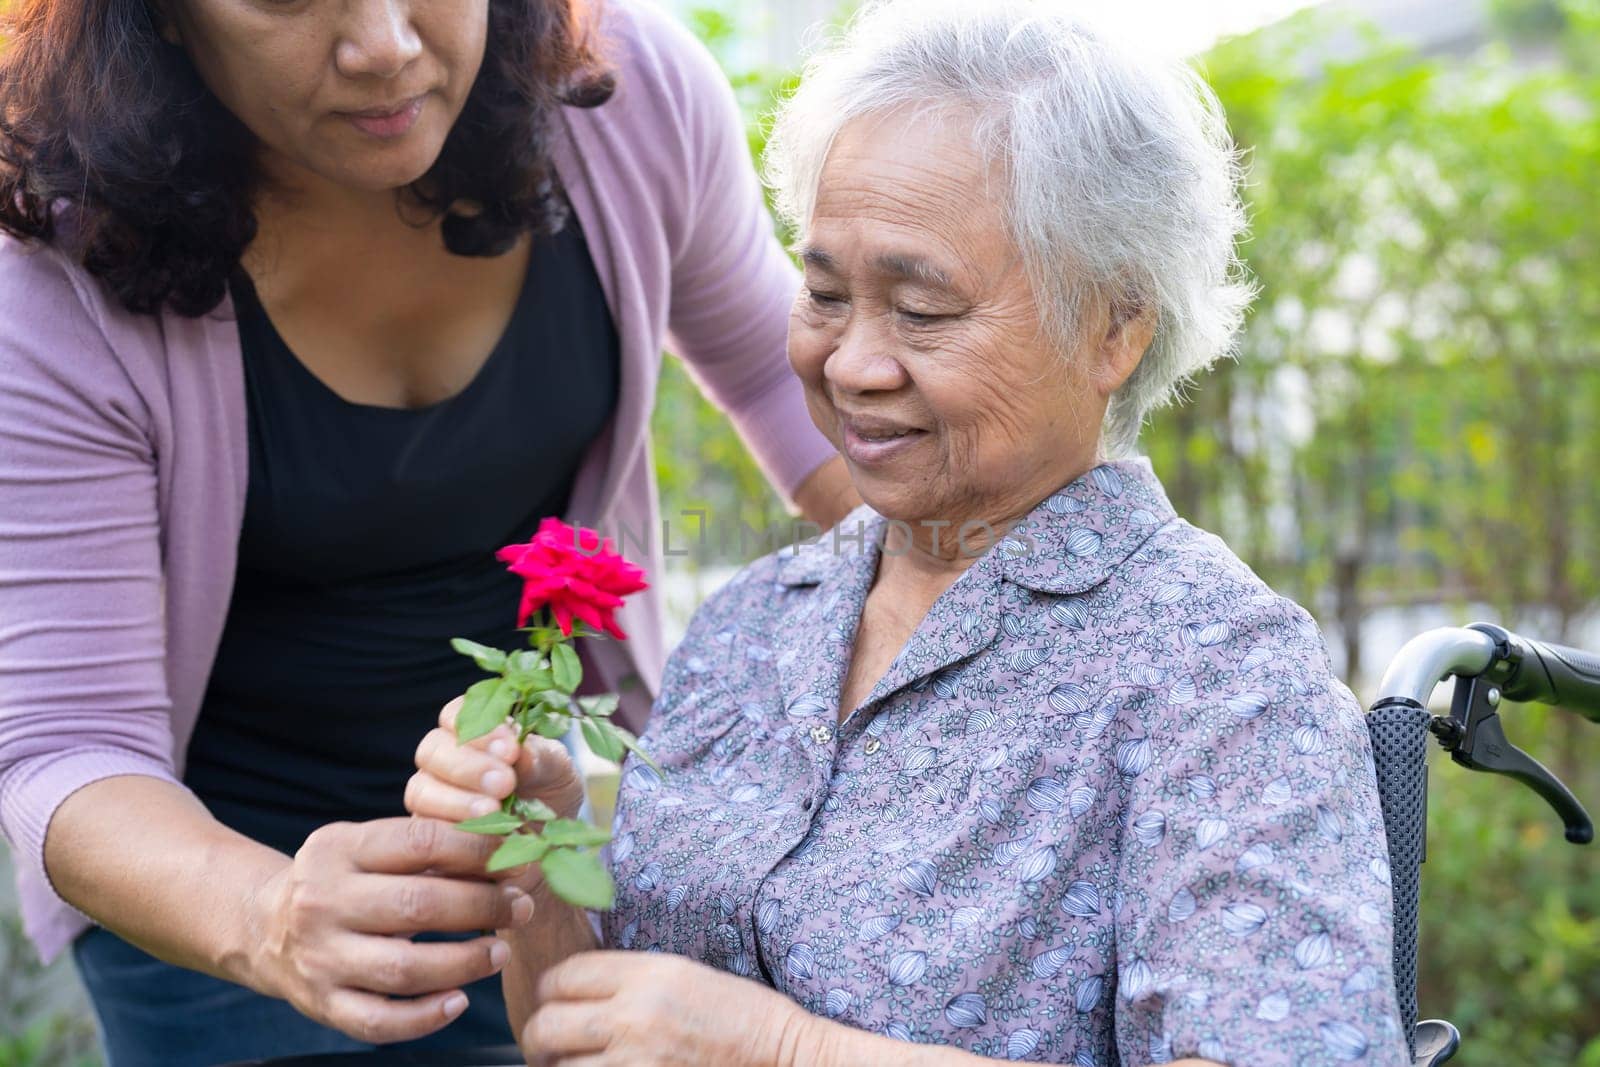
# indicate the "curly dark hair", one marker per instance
pixel 98 112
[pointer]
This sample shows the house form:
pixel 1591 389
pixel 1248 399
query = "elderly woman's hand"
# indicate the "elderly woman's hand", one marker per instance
pixel 455 782
pixel 651 1009
pixel 647 1008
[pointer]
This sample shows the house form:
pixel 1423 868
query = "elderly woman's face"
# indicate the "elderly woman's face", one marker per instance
pixel 359 93
pixel 918 337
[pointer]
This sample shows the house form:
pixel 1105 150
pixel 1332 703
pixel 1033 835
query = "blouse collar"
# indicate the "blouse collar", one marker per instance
pixel 1069 543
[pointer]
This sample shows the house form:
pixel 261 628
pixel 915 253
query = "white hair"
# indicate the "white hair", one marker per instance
pixel 1123 182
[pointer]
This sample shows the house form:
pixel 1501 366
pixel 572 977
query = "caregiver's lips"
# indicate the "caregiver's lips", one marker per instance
pixel 387 122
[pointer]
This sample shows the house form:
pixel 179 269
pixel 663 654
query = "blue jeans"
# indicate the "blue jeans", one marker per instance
pixel 153 1014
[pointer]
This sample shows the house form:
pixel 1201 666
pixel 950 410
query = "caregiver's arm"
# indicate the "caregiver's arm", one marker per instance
pixel 144 857
pixel 732 283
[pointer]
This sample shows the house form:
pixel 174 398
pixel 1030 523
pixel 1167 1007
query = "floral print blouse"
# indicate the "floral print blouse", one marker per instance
pixel 1109 805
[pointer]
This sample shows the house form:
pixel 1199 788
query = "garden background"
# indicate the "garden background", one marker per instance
pixel 1409 437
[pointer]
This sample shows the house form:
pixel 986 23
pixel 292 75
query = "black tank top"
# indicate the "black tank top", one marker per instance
pixel 368 542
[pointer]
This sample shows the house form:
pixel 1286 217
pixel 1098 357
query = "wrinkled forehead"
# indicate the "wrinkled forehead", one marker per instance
pixel 928 154
pixel 898 183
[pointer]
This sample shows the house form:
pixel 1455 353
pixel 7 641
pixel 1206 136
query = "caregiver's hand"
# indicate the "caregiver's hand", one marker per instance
pixel 639 1009
pixel 332 926
pixel 456 782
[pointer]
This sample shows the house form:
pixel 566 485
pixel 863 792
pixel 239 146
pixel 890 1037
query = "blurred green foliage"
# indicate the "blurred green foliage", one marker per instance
pixel 31 1033
pixel 1417 392
pixel 1529 19
pixel 1412 422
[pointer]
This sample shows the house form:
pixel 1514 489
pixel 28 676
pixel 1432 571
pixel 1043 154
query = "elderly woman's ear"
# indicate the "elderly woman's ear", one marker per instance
pixel 1115 337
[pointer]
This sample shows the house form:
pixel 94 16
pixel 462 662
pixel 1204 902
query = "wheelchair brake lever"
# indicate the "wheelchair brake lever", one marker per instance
pixel 1475 738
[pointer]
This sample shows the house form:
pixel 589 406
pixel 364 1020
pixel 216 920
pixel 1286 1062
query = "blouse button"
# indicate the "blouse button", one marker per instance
pixel 872 746
pixel 821 734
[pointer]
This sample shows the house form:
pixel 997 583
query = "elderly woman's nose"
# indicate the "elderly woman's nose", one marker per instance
pixel 863 363
pixel 377 39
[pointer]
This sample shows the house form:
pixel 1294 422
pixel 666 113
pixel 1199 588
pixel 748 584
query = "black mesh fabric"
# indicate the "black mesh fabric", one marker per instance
pixel 1400 752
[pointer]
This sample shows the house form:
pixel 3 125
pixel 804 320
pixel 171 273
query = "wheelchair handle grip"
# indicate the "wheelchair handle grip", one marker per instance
pixel 1554 674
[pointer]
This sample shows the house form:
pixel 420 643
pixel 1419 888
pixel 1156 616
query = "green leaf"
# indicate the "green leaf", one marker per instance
pixel 599 706
pixel 578 878
pixel 525 716
pixel 536 811
pixel 556 699
pixel 487 704
pixel 518 849
pixel 553 725
pixel 574 832
pixel 496 822
pixel 632 744
pixel 505 699
pixel 564 663
pixel 602 740
pixel 534 681
pixel 528 671
pixel 526 660
pixel 490 659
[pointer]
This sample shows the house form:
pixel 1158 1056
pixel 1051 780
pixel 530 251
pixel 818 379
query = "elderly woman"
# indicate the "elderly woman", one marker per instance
pixel 1016 762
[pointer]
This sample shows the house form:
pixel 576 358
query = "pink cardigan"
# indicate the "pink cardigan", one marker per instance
pixel 123 442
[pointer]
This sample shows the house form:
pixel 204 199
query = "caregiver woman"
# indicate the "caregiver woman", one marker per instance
pixel 305 308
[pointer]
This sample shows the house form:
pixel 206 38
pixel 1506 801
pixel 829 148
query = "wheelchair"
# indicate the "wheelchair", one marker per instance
pixel 1487 665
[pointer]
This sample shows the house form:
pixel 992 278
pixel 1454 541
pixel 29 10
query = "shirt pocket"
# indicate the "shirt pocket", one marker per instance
pixel 702 720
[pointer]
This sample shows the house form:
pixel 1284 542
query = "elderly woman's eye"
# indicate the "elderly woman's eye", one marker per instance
pixel 920 318
pixel 824 300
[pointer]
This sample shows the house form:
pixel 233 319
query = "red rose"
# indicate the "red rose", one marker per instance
pixel 576 573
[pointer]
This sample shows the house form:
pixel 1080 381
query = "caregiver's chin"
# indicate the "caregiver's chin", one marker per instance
pixel 922 348
pixel 361 96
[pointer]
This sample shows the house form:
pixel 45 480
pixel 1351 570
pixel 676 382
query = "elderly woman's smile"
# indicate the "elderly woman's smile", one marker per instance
pixel 919 340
